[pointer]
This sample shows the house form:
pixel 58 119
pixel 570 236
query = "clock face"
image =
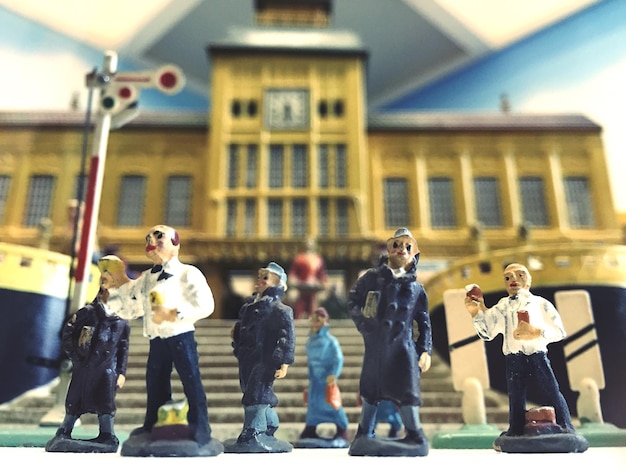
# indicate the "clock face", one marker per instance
pixel 287 109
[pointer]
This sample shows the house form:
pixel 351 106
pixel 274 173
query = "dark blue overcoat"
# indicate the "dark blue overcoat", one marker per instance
pixel 263 340
pixel 395 336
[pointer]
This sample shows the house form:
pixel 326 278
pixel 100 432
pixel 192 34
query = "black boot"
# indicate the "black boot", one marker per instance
pixel 309 433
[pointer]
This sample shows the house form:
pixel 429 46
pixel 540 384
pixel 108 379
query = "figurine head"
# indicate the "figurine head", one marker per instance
pixel 272 275
pixel 112 271
pixel 318 319
pixel 162 244
pixel 402 248
pixel 516 278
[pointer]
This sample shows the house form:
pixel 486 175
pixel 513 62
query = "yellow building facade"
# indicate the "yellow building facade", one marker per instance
pixel 289 153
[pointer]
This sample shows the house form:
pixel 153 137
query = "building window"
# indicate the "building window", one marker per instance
pixel 342 217
pixel 340 166
pixel 338 108
pixel 487 198
pixel 275 217
pixel 40 192
pixel 299 218
pixel 322 109
pixel 178 203
pixel 323 217
pixel 253 108
pixel 231 217
pixel 532 195
pixel 299 167
pixel 131 202
pixel 396 196
pixel 578 199
pixel 5 183
pixel 235 108
pixel 251 167
pixel 233 167
pixel 277 166
pixel 250 217
pixel 441 197
pixel 322 165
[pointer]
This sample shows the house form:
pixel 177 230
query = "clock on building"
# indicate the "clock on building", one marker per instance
pixel 287 108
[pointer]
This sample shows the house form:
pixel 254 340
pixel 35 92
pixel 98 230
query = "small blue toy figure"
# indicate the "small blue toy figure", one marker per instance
pixel 96 341
pixel 388 413
pixel 386 304
pixel 264 344
pixel 170 297
pixel 528 323
pixel 323 397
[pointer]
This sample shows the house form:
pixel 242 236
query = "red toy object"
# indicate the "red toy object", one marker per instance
pixel 473 291
pixel 522 315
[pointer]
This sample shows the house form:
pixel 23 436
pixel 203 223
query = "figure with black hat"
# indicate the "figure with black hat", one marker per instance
pixel 385 304
pixel 263 342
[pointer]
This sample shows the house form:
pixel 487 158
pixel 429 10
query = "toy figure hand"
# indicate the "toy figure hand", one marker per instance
pixel 282 372
pixel 161 314
pixel 121 380
pixel 525 330
pixel 474 305
pixel 330 379
pixel 424 361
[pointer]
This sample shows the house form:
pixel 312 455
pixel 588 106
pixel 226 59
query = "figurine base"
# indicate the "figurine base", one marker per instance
pixel 80 446
pixel 541 444
pixel 260 444
pixel 143 445
pixel 469 436
pixel 364 446
pixel 321 443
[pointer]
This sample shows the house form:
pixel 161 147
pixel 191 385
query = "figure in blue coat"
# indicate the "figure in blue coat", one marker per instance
pixel 264 345
pixel 325 361
pixel 385 304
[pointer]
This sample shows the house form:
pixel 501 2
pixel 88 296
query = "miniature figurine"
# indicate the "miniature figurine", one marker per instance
pixel 263 342
pixel 96 341
pixel 528 323
pixel 171 297
pixel 323 397
pixel 388 413
pixel 309 273
pixel 386 304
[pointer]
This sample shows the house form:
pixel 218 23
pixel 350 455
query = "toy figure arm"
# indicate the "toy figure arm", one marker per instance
pixel 282 372
pixel 489 323
pixel 197 297
pixel 127 301
pixel 553 325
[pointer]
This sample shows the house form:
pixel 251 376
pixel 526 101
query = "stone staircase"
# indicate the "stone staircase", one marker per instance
pixel 441 410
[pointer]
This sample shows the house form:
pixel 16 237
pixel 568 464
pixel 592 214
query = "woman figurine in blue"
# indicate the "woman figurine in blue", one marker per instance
pixel 325 361
pixel 385 304
pixel 264 345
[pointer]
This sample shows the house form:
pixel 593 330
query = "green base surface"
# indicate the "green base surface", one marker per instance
pixel 469 436
pixel 603 434
pixel 38 436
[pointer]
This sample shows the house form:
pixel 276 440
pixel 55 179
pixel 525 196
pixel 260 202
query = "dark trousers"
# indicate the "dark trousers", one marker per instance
pixel 182 352
pixel 521 368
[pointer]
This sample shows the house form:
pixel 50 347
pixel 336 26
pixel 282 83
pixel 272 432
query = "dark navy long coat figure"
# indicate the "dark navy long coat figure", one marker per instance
pixel 264 344
pixel 390 309
pixel 97 344
pixel 390 370
pixel 264 340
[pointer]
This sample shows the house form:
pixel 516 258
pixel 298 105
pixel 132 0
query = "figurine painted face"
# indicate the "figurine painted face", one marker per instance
pixel 516 277
pixel 401 250
pixel 265 279
pixel 162 244
pixel 112 271
pixel 318 320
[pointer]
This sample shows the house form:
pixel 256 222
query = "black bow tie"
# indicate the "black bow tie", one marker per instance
pixel 156 268
pixel 513 297
pixel 163 275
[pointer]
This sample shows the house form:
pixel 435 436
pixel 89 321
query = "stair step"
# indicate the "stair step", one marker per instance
pixel 219 368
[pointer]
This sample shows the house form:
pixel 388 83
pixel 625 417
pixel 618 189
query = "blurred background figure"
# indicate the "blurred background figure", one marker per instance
pixel 308 276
